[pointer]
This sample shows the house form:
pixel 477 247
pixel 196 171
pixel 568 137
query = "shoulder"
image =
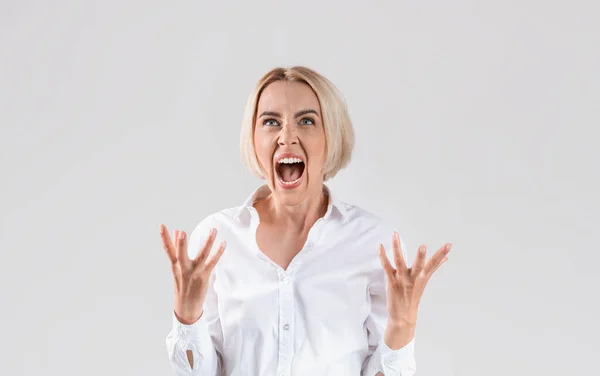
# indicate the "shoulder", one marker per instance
pixel 367 224
pixel 355 215
pixel 221 219
pixel 224 221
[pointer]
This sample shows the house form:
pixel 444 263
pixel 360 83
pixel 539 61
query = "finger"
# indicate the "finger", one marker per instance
pixel 214 259
pixel 419 262
pixel 398 256
pixel 182 247
pixel 167 243
pixel 175 241
pixel 438 266
pixel 208 244
pixel 385 262
pixel 438 259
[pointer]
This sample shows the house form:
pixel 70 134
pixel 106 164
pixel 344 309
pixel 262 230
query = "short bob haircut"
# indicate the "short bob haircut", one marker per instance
pixel 339 132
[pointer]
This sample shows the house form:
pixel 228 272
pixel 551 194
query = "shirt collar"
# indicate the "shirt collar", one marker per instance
pixel 334 206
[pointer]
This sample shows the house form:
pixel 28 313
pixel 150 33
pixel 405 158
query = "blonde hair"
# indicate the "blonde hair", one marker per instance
pixel 339 133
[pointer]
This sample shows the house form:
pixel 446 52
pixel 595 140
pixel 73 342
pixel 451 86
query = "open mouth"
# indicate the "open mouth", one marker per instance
pixel 290 170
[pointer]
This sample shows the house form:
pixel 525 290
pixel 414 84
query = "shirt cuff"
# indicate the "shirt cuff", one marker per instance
pixel 193 336
pixel 399 362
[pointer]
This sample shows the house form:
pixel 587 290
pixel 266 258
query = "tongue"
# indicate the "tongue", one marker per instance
pixel 290 172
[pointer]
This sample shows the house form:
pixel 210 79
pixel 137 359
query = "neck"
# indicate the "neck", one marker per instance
pixel 300 216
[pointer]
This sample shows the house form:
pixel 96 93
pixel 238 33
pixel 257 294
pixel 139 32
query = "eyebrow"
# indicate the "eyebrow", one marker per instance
pixel 296 115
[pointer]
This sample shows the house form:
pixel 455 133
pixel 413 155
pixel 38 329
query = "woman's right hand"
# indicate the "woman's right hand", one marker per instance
pixel 191 276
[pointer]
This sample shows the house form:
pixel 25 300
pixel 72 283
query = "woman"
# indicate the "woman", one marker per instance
pixel 301 289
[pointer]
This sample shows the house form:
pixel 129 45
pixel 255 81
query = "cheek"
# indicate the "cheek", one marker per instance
pixel 318 150
pixel 264 151
pixel 321 145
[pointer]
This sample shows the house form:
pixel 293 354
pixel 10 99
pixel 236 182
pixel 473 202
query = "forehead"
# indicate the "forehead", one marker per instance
pixel 288 96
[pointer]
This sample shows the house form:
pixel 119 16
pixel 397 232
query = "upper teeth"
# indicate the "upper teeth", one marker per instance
pixel 290 160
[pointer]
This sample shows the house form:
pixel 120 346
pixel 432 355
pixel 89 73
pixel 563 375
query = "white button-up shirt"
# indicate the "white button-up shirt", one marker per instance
pixel 323 316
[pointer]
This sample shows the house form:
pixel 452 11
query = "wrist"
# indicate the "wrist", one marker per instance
pixel 187 319
pixel 396 336
pixel 187 312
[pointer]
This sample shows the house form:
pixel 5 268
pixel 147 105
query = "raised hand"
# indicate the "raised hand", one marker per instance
pixel 405 287
pixel 191 275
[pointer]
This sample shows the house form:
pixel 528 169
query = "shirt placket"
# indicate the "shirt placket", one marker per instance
pixel 287 305
pixel 286 318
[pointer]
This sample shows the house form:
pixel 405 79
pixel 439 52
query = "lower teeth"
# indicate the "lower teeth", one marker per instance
pixel 290 182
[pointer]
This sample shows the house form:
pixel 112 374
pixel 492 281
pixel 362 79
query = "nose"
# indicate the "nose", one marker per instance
pixel 287 136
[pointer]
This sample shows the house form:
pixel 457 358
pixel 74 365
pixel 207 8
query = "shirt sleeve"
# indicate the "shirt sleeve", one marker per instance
pixel 390 362
pixel 204 337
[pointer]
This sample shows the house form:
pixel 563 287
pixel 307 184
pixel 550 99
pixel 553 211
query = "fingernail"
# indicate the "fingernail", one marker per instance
pixel 182 235
pixel 448 246
pixel 161 228
pixel 422 249
pixel 212 231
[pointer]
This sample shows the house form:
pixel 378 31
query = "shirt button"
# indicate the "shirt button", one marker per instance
pixel 286 280
pixel 286 326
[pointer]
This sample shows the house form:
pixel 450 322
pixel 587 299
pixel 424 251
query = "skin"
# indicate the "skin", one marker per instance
pixel 405 287
pixel 289 120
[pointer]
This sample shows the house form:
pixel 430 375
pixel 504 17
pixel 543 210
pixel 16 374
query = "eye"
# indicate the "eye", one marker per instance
pixel 271 123
pixel 307 121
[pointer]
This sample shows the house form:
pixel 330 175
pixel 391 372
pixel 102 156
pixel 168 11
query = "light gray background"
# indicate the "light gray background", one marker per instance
pixel 476 123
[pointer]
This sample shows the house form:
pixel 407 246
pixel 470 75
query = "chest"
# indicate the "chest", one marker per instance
pixel 327 274
pixel 321 295
pixel 280 246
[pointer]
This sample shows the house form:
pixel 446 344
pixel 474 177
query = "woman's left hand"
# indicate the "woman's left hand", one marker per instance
pixel 405 287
